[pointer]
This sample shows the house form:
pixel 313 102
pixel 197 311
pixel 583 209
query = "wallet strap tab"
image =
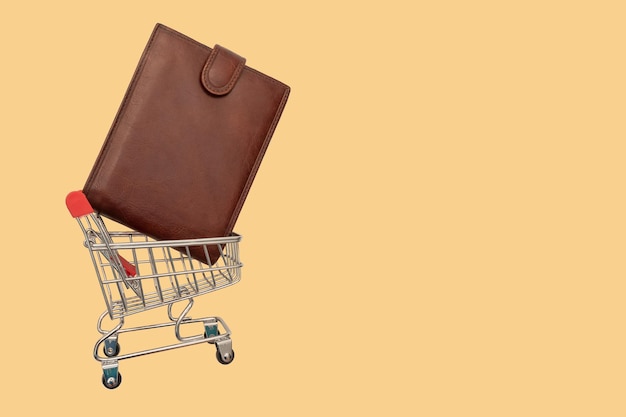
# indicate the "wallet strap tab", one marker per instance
pixel 221 70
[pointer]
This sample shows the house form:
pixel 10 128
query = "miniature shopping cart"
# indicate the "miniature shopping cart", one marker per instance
pixel 137 273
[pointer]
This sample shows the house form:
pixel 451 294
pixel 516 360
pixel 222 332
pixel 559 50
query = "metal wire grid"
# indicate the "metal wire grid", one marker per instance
pixel 165 271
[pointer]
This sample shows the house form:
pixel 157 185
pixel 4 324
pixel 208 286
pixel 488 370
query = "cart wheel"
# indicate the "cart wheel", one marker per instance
pixel 228 360
pixel 112 353
pixel 110 384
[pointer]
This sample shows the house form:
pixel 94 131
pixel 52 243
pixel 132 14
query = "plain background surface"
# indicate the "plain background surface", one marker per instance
pixel 437 228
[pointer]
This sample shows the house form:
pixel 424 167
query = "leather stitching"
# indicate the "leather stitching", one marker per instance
pixel 206 81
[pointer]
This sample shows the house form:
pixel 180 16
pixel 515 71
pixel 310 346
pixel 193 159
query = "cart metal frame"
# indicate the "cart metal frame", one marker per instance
pixel 137 273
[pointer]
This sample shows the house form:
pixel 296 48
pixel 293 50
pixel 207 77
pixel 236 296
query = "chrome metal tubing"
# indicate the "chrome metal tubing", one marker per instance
pixel 184 341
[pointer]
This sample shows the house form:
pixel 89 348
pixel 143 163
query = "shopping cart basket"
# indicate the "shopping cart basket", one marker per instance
pixel 137 273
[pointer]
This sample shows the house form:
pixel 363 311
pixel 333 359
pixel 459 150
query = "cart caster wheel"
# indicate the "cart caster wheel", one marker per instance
pixel 225 361
pixel 111 383
pixel 110 352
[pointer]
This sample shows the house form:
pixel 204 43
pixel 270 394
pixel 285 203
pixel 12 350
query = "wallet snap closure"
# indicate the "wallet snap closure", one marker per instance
pixel 221 70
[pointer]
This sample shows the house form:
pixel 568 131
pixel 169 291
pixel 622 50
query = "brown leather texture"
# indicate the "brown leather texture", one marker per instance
pixel 221 71
pixel 187 141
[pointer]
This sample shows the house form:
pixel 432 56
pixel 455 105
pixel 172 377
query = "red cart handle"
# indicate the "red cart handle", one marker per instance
pixel 77 204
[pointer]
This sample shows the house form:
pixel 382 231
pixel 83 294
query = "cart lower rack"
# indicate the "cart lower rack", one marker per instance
pixel 137 273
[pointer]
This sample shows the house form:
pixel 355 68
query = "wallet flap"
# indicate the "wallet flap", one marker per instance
pixel 221 71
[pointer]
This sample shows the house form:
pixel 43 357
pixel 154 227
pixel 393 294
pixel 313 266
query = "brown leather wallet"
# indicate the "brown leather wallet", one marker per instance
pixel 187 141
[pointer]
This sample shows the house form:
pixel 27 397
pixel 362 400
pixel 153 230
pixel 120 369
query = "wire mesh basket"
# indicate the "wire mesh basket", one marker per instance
pixel 137 273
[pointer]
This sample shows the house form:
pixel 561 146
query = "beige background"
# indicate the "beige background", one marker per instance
pixel 437 228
